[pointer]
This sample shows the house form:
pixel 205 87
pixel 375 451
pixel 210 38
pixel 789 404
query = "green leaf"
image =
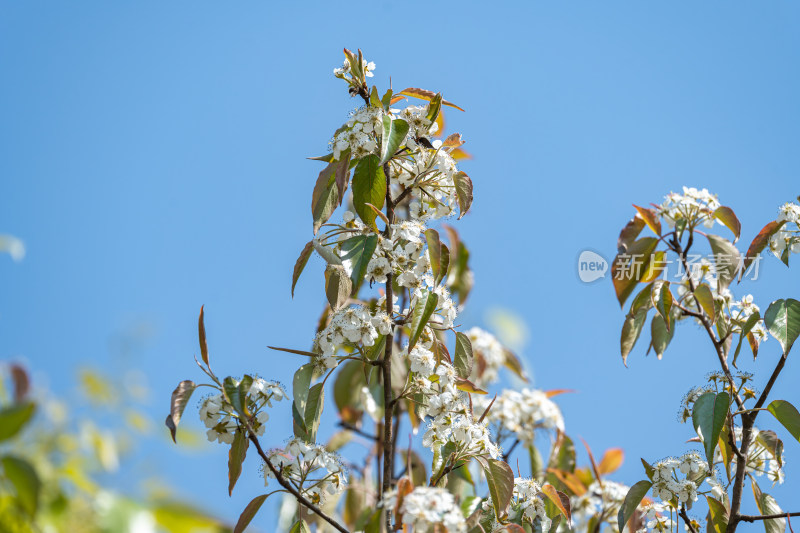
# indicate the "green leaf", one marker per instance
pixel 726 260
pixel 369 187
pixel 301 262
pixel 394 133
pixel 463 192
pixel 374 99
pixel 434 107
pixel 500 479
pixel 708 416
pixel 14 418
pixel 359 251
pixel 747 327
pixel 249 513
pixel 313 413
pixel 423 309
pixel 661 335
pixel 662 301
pixel 783 321
pixel 728 217
pixel 787 415
pixel 300 527
pixel 236 456
pixel 236 393
pixel 435 254
pixel 25 480
pixel 631 330
pixel 706 300
pixel 768 506
pixel 180 397
pixel 632 501
pixel 648 469
pixel 386 100
pixel 463 358
pixel 630 266
pixel 338 286
pixel 718 516
pixel 301 383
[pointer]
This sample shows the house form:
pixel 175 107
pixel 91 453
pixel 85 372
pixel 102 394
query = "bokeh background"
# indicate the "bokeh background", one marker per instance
pixel 152 159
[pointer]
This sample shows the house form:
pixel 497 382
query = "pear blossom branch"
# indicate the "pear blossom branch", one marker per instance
pixel 686 519
pixel 290 488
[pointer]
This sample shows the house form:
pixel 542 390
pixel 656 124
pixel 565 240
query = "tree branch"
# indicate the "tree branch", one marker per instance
pixel 687 520
pixel 753 518
pixel 294 492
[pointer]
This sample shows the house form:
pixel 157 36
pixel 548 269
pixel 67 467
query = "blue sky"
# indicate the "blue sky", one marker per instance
pixel 152 158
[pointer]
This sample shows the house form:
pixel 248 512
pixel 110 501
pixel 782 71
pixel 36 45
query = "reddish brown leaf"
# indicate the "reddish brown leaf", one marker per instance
pixel 650 218
pixel 422 94
pixel 759 243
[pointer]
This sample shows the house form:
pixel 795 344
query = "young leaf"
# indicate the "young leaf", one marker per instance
pixel 726 260
pixel 338 286
pixel 500 479
pixel 559 499
pixel 201 331
pixel 631 330
pixel 463 192
pixel 629 233
pixel 706 301
pixel 325 198
pixel 300 527
pixel 611 461
pixel 632 501
pixel 760 242
pixel 468 386
pixel 236 456
pixel 728 217
pixel 301 262
pixel 783 321
pixel 369 186
pixel 650 218
pixel 787 415
pixel 463 359
pixel 423 309
pixel 630 266
pixel 249 513
pixel 708 416
pixel 301 383
pixel 394 133
pixel 662 301
pixel 422 94
pixel 180 397
pixel 718 516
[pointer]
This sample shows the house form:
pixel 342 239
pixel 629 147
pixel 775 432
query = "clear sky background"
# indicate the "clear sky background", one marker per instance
pixel 152 158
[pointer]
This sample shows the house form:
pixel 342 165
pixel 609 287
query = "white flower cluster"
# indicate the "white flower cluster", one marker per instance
pixel 418 124
pixel 599 499
pixel 526 505
pixel 424 508
pixel 449 407
pixel 693 206
pixel 432 173
pixel 787 239
pixel 361 134
pixel 522 412
pixel 668 486
pixel 657 520
pixel 315 471
pixel 489 352
pixel 221 419
pixel 353 326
